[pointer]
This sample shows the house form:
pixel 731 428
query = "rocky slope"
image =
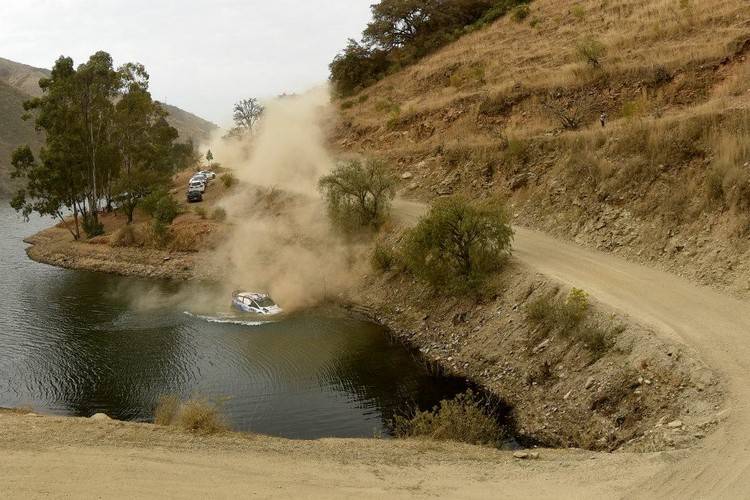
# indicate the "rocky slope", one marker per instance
pixel 514 110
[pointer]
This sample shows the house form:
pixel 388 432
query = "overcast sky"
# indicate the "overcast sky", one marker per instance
pixel 201 55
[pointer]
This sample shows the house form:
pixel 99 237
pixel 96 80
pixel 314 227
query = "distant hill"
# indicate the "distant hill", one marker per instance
pixel 188 124
pixel 19 82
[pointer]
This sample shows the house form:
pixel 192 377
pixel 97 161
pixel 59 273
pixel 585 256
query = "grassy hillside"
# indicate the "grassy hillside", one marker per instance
pixel 514 109
pixel 189 125
pixel 19 82
pixel 13 131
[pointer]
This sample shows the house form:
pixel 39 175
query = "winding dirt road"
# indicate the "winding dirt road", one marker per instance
pixel 77 458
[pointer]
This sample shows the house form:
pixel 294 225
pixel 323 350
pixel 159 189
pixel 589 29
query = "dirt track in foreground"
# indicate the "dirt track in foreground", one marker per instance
pixel 46 456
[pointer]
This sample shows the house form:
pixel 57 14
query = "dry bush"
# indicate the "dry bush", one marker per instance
pixel 462 419
pixel 199 414
pixel 166 410
pixel 183 240
pixel 741 84
pixel 729 177
pixel 228 180
pixel 383 257
pixel 467 75
pixel 200 212
pixel 570 320
pixel 570 114
pixel 219 214
pixel 131 235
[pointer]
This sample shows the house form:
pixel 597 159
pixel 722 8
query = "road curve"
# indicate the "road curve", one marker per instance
pixel 715 325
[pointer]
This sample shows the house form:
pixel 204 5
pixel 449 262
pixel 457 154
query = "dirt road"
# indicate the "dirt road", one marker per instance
pixel 78 458
pixel 717 326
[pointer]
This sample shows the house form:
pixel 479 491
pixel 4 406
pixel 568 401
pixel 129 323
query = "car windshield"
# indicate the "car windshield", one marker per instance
pixel 265 302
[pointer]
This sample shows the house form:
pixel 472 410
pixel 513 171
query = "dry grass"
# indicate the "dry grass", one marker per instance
pixel 462 419
pixel 635 34
pixel 199 414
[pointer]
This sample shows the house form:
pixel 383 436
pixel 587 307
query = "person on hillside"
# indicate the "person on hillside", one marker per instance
pixel 603 118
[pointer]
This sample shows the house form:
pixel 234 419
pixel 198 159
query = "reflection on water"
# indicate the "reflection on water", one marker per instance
pixel 76 343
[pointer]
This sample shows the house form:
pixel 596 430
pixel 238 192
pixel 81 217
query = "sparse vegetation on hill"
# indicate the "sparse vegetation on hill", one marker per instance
pixel 514 110
pixel 402 32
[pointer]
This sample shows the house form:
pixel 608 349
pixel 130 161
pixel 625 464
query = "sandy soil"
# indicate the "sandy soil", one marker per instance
pixel 81 458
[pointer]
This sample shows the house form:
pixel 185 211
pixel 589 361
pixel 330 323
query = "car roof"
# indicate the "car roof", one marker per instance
pixel 251 295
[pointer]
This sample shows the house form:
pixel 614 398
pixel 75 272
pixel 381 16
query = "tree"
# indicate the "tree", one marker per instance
pixel 358 194
pixel 106 140
pixel 247 114
pixel 357 67
pixel 404 30
pixel 143 139
pixel 459 243
pixel 50 187
pixel 209 157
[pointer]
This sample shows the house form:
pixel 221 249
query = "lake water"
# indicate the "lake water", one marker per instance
pixel 78 343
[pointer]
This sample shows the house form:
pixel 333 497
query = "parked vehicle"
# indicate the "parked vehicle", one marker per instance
pixel 199 177
pixel 197 186
pixel 208 174
pixel 258 303
pixel 194 195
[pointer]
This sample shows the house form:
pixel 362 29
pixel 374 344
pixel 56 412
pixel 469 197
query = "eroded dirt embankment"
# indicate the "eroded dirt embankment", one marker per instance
pixel 640 394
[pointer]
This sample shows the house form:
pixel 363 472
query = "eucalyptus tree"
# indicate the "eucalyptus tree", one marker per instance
pixel 143 140
pixel 57 182
pixel 105 139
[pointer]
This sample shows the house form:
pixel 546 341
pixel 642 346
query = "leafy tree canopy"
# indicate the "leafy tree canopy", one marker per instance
pixel 459 243
pixel 106 140
pixel 247 114
pixel 358 194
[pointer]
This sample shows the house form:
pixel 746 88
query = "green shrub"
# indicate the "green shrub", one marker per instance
pixel 459 244
pixel 346 105
pixel 161 233
pixel 382 258
pixel 92 227
pixel 393 122
pixel 591 51
pixel 228 180
pixel 569 319
pixel 578 11
pixel 148 204
pixel 520 12
pixel 358 194
pixel 166 210
pixel 462 419
pixel 465 75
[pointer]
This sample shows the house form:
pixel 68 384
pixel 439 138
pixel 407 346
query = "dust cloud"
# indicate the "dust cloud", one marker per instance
pixel 281 241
